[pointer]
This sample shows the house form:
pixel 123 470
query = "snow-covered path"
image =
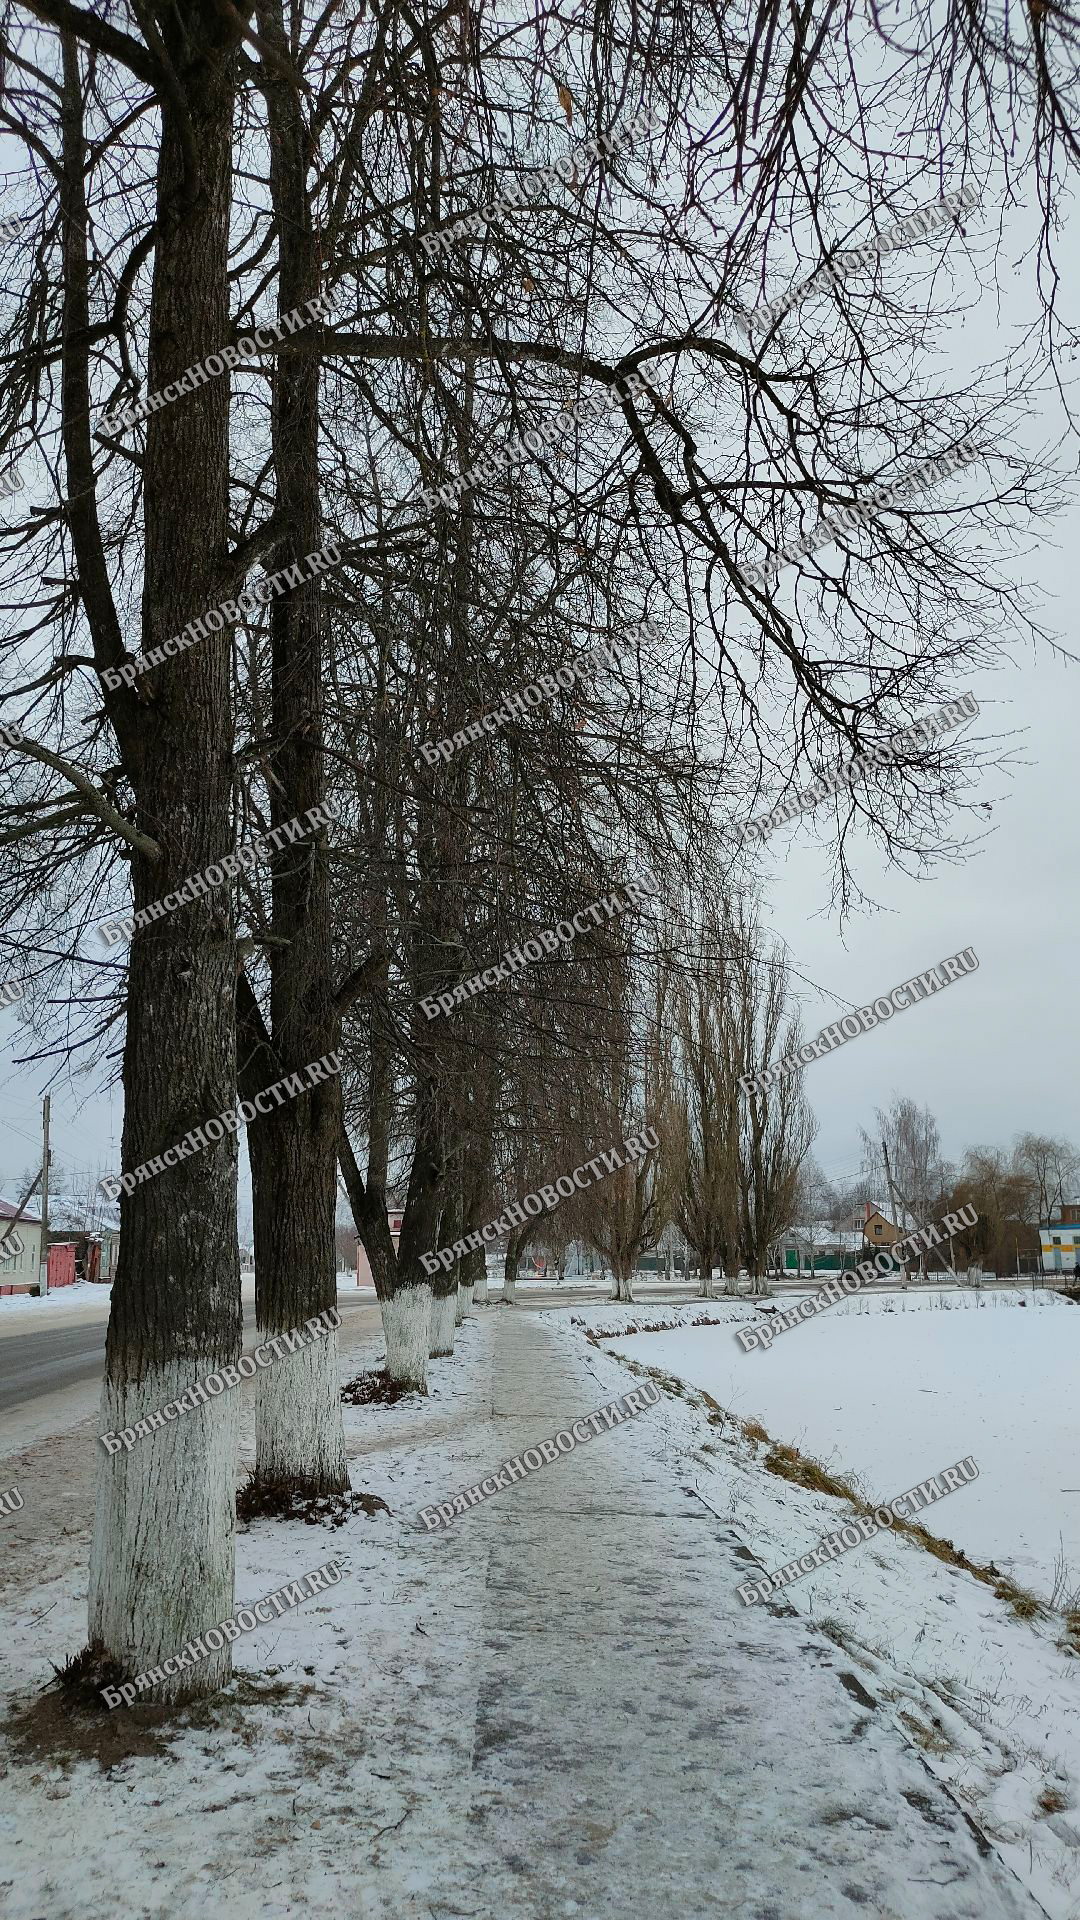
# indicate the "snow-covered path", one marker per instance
pixel 636 1737
pixel 557 1707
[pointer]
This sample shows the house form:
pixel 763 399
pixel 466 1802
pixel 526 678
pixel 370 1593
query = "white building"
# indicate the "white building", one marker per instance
pixel 19 1268
pixel 1059 1240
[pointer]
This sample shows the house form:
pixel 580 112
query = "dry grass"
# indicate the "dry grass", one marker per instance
pixel 789 1464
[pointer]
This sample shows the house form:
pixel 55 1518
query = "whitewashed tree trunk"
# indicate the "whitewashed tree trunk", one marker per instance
pixel 623 1286
pixel 406 1318
pixel 464 1300
pixel 480 1287
pixel 154 1584
pixel 443 1320
pixel 509 1292
pixel 299 1439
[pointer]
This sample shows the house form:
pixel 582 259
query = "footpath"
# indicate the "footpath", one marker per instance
pixel 554 1707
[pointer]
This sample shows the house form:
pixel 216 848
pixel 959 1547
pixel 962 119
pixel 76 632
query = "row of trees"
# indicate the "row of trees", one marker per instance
pixel 186 172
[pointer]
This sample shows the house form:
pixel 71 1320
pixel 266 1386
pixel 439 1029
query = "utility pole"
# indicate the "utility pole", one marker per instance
pixel 43 1270
pixel 894 1211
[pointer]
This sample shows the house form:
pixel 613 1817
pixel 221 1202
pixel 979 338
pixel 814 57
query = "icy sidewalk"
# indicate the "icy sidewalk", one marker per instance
pixel 640 1735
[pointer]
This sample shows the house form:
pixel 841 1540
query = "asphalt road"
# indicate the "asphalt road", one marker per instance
pixel 35 1363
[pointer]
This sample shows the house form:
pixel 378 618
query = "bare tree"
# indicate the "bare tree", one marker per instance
pixel 1053 1167
pixel 909 1135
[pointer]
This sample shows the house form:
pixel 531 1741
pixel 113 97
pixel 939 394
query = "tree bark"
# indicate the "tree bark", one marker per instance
pixel 473 1266
pixel 514 1245
pixel 299 1437
pixel 444 1285
pixel 162 1561
pixel 480 1282
pixel 401 1281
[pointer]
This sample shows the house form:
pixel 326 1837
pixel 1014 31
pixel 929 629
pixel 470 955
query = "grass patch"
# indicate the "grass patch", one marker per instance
pixel 803 1471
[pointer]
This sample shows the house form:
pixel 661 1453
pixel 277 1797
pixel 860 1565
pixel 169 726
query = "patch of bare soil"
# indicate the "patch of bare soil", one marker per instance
pixel 262 1500
pixel 68 1720
pixel 376 1389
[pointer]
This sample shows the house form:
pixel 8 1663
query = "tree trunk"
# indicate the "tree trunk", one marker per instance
pixel 299 1437
pixel 401 1282
pixel 444 1297
pixel 709 1257
pixel 514 1245
pixel 623 1277
pixel 473 1266
pixel 444 1285
pixel 162 1560
pixel 480 1281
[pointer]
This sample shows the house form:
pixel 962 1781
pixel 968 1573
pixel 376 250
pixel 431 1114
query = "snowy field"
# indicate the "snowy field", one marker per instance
pixel 887 1391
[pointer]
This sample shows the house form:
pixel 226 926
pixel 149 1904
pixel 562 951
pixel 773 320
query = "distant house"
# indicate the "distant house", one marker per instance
pixel 877 1230
pixel 818 1248
pixel 1059 1239
pixel 94 1234
pixel 20 1250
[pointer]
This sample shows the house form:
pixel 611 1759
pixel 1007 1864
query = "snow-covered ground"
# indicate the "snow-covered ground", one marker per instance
pixel 891 1389
pixel 58 1300
pixel 992 1700
pixel 422 1740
